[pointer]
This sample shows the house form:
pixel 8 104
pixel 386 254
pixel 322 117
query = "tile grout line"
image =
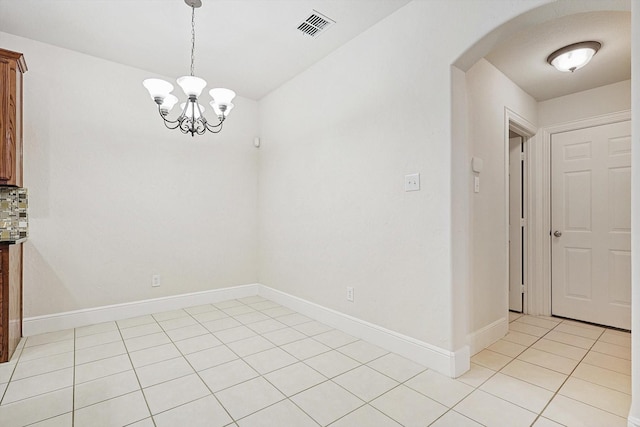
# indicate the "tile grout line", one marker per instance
pixel 137 378
pixel 13 371
pixel 342 373
pixel 184 356
pixel 581 360
pixel 538 415
pixel 267 380
pixel 453 410
pixel 368 403
pixel 222 344
pixel 41 394
pixel 12 381
pixel 568 376
pixel 297 361
pixel 288 398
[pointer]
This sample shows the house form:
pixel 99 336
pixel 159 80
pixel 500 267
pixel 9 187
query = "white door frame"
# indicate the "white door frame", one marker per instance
pixel 518 124
pixel 517 240
pixel 539 288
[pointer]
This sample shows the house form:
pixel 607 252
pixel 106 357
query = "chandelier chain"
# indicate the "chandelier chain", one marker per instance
pixel 193 38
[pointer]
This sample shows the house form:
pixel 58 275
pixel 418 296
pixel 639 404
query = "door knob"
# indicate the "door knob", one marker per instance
pixel 557 233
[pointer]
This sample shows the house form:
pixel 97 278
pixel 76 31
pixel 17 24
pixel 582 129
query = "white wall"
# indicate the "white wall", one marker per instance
pixel 489 92
pixel 589 103
pixel 115 197
pixel 337 142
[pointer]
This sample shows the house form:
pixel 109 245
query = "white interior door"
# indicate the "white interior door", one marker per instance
pixel 591 224
pixel 516 276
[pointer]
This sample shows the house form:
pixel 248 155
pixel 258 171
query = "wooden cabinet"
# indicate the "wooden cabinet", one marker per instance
pixel 10 299
pixel 12 67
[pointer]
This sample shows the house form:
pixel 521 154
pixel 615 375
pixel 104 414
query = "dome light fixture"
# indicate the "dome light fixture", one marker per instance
pixel 192 119
pixel 573 57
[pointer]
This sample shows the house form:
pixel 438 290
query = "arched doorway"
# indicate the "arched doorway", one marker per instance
pixel 462 174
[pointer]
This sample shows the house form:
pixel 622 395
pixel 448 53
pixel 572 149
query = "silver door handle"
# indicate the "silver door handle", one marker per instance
pixel 557 233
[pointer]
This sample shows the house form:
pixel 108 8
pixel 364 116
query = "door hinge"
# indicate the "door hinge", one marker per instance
pixel 523 222
pixel 522 289
pixel 522 157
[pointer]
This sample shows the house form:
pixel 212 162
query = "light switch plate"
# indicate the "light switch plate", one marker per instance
pixel 412 182
pixel 476 164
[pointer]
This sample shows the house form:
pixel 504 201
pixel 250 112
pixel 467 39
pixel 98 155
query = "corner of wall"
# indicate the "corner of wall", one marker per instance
pixel 484 337
pixel 460 362
pixel 452 364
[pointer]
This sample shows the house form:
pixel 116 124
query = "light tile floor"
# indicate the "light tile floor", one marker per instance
pixel 251 362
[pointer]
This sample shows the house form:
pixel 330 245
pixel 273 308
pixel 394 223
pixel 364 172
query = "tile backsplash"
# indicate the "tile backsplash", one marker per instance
pixel 14 220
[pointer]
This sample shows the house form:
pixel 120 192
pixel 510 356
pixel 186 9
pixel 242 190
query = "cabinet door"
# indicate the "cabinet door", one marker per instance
pixel 4 304
pixel 16 165
pixel 8 125
pixel 15 296
pixel 10 299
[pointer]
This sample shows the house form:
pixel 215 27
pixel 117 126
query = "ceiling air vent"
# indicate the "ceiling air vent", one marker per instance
pixel 315 24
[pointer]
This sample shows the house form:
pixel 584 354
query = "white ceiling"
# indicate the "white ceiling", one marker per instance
pixel 523 57
pixel 251 46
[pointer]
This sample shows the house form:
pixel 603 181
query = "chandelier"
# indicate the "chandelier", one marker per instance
pixel 191 119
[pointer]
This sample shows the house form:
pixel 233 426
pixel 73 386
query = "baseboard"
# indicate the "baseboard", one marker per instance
pixel 74 319
pixel 633 421
pixel 486 336
pixel 449 363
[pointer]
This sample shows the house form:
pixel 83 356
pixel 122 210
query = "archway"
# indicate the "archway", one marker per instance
pixel 483 329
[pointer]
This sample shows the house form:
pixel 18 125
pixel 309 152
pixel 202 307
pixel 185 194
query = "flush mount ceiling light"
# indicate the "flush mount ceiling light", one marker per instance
pixel 192 119
pixel 574 56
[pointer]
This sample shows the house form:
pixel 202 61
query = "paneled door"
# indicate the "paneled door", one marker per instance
pixel 591 224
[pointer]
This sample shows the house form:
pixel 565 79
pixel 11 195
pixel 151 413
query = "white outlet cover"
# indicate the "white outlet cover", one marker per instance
pixel 412 182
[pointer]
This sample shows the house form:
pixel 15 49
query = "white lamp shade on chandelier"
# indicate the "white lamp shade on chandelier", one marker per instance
pixel 160 91
pixel 191 86
pixel 191 119
pixel 192 110
pixel 167 103
pixel 221 103
pixel 158 88
pixel 573 57
pixel 218 111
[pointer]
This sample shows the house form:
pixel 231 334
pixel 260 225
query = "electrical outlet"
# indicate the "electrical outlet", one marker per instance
pixel 412 182
pixel 155 280
pixel 349 293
